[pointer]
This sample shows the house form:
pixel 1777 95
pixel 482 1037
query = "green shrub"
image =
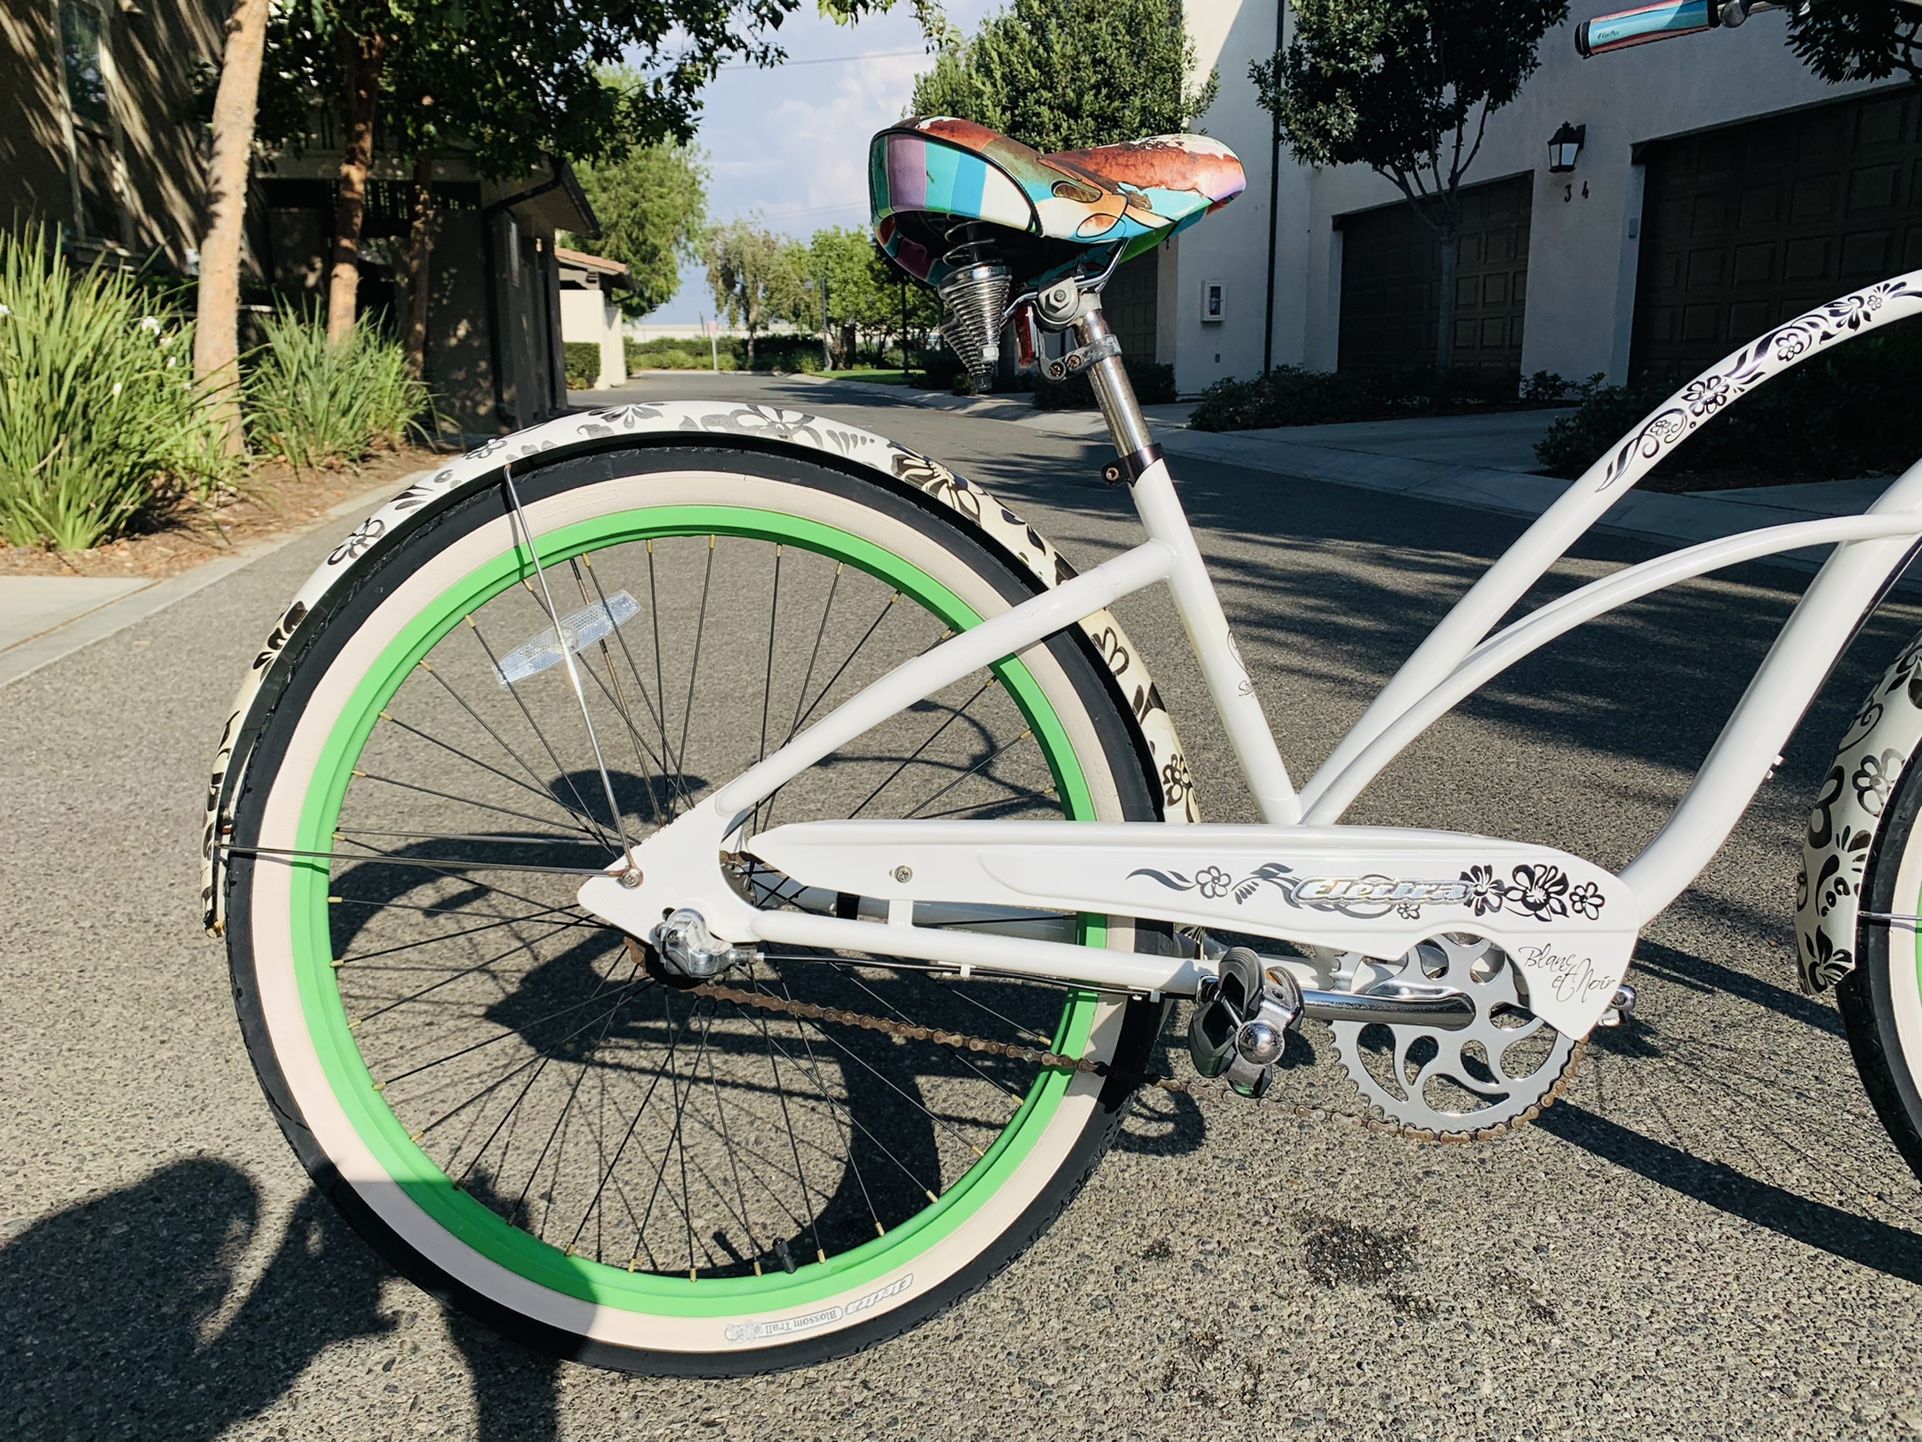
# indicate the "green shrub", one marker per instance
pixel 1545 386
pixel 1288 396
pixel 786 353
pixel 581 362
pixel 100 421
pixel 678 353
pixel 311 402
pixel 1603 415
pixel 1847 413
pixel 1153 384
pixel 1293 396
pixel 941 369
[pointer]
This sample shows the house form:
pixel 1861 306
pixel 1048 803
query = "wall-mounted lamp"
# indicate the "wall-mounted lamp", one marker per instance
pixel 1563 146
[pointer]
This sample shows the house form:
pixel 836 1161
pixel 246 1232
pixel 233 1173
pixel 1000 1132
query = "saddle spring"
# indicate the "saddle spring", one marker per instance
pixel 973 299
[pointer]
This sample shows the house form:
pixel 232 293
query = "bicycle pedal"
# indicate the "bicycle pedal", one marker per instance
pixel 1243 1015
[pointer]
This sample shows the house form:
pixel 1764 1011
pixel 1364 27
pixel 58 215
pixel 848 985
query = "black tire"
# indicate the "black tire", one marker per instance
pixel 1123 755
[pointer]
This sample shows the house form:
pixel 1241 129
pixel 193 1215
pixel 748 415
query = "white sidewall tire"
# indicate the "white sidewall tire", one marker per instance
pixel 606 1333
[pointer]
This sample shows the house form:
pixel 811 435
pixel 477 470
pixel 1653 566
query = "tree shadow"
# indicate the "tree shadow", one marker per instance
pixel 112 1327
pixel 121 1319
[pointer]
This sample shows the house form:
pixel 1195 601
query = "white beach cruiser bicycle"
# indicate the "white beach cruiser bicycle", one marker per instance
pixel 702 883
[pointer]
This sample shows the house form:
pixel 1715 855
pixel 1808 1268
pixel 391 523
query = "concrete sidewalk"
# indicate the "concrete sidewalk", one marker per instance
pixel 1484 461
pixel 43 618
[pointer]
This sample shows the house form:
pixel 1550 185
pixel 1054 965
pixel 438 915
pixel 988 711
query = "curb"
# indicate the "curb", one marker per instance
pixel 64 638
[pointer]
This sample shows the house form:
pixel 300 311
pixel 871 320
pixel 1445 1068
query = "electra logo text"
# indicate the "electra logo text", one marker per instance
pixel 807 1321
pixel 1312 889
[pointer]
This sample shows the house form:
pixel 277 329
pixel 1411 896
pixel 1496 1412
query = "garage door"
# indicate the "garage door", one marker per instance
pixel 1391 283
pixel 1129 303
pixel 1747 226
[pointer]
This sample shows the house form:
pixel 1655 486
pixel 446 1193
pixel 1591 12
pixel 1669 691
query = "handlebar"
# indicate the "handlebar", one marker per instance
pixel 1645 23
pixel 1626 28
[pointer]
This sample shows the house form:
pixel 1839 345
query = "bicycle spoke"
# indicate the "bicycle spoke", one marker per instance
pixel 915 755
pixel 787 1120
pixel 854 1165
pixel 987 760
pixel 700 630
pixel 450 796
pixel 453 750
pixel 580 815
pixel 767 683
pixel 340 961
pixel 430 863
pixel 554 928
pixel 672 766
pixel 672 1040
pixel 539 1064
pixel 660 679
pixel 567 658
pixel 560 770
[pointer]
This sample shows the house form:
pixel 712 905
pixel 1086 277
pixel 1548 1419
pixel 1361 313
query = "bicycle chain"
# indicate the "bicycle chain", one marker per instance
pixel 1161 1081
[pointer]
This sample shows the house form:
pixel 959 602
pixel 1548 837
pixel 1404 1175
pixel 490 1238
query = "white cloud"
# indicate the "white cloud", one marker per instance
pixel 792 142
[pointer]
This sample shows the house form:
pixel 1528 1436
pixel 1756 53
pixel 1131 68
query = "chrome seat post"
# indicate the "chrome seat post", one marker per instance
pixel 1113 391
pixel 1076 308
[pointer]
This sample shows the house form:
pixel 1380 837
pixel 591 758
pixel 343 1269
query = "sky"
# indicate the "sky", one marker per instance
pixel 792 142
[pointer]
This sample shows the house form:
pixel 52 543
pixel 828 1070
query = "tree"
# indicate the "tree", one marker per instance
pixel 651 201
pixel 753 275
pixel 1069 74
pixel 511 83
pixel 1858 39
pixel 856 289
pixel 1405 87
pixel 217 319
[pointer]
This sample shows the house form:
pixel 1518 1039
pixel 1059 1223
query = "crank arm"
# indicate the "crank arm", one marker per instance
pixel 1440 1009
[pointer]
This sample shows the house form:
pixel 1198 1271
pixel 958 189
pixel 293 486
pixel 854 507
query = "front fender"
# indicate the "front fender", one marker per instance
pixel 1847 818
pixel 841 444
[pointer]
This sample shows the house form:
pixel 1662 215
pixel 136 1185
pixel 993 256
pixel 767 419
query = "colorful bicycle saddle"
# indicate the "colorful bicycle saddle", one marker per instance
pixel 932 183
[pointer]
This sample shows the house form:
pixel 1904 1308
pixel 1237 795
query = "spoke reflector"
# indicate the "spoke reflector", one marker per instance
pixel 582 628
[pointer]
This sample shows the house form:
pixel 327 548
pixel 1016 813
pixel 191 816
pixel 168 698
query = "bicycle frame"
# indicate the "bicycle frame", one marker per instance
pixel 905 863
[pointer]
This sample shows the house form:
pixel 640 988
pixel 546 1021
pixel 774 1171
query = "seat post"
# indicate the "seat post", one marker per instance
pixel 1113 391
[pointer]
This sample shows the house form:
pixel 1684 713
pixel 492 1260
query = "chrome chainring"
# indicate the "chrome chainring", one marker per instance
pixel 1502 1068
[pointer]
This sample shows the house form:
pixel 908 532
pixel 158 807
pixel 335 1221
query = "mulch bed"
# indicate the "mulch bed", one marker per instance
pixel 277 498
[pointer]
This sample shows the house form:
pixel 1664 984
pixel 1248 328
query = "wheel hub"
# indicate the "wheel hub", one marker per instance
pixel 687 947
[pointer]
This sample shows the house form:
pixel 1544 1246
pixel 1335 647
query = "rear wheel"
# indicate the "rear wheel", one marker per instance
pixel 516 1103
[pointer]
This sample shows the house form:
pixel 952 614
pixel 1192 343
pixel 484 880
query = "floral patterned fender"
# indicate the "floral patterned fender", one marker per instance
pixel 1848 813
pixel 638 424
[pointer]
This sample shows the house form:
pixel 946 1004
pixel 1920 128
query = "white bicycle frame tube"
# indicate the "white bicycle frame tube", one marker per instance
pixel 1454 660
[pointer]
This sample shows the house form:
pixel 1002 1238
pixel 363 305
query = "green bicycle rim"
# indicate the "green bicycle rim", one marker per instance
pixel 408 1166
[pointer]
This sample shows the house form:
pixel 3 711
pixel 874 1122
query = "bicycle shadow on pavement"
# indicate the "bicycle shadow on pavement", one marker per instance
pixel 1894 1251
pixel 120 1320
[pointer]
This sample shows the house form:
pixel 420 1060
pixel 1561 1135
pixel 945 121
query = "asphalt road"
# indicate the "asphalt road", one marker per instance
pixel 1710 1238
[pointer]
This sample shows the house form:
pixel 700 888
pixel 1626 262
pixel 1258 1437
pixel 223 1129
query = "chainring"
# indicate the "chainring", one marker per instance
pixel 1502 1068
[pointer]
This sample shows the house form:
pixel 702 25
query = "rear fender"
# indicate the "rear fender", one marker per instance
pixel 1847 820
pixel 844 446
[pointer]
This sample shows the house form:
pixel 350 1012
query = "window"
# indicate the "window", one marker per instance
pixel 94 132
